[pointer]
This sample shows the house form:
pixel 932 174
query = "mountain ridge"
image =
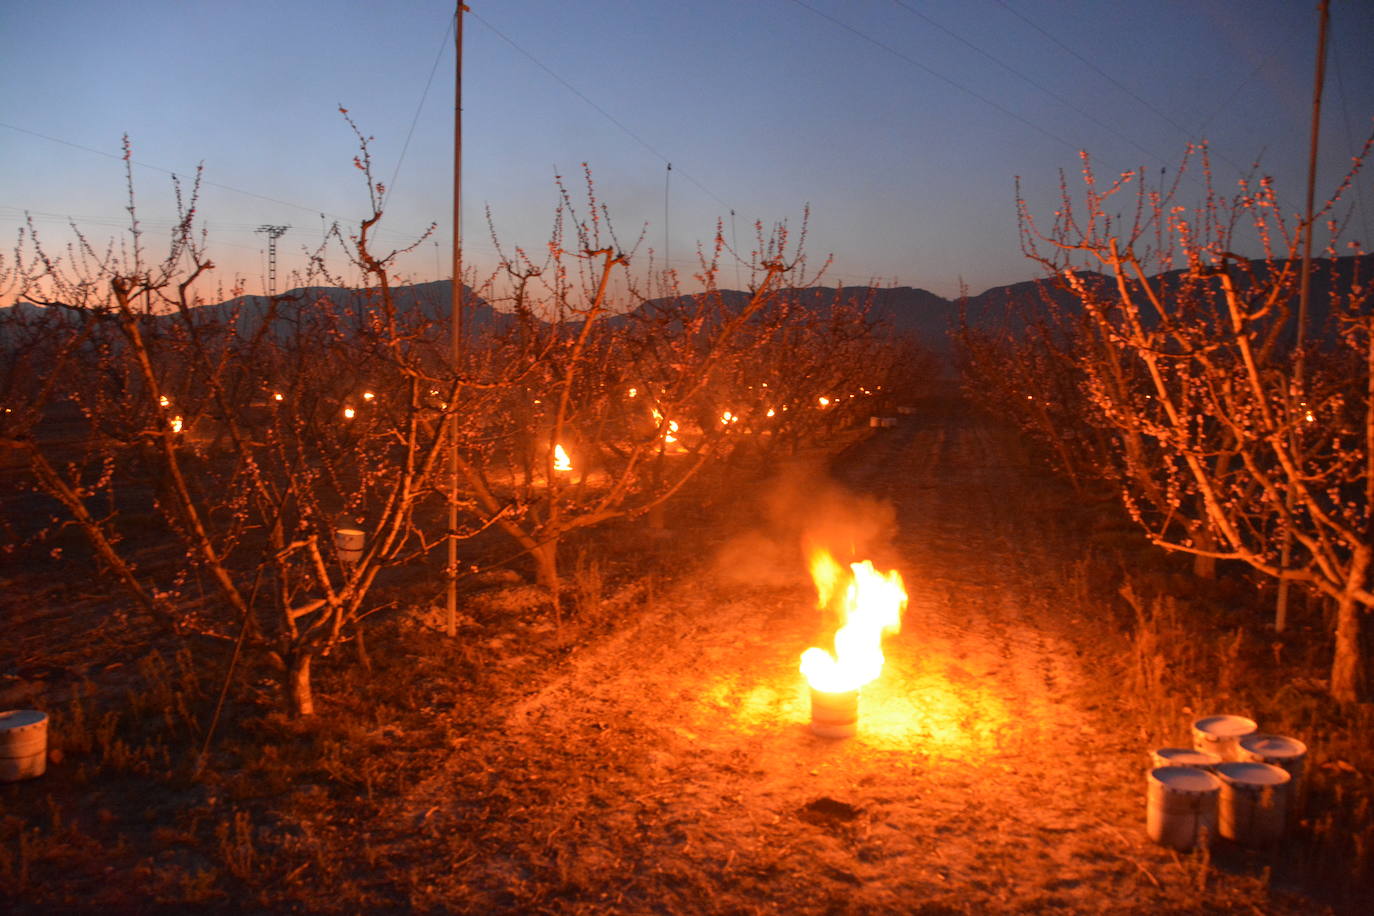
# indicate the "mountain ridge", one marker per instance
pixel 906 310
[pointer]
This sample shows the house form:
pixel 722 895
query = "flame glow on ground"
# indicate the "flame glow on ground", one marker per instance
pixel 929 701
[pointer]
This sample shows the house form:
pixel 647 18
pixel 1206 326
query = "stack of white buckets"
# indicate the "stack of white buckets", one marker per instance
pixel 23 744
pixel 1234 782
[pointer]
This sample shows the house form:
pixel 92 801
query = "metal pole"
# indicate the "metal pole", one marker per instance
pixel 455 320
pixel 667 180
pixel 1304 291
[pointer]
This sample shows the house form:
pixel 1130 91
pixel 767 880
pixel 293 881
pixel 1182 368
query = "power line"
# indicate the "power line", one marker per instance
pixel 604 113
pixel 1164 116
pixel 215 229
pixel 1265 60
pixel 962 88
pixel 1092 66
pixel 1350 145
pixel 114 222
pixel 935 73
pixel 1050 92
pixel 443 45
pixel 21 214
pixel 173 173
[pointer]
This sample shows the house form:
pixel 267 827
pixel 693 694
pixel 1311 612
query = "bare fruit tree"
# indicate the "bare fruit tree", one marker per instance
pixel 613 402
pixel 1022 364
pixel 284 443
pixel 289 448
pixel 1233 437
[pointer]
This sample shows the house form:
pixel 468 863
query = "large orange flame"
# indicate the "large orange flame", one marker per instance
pixel 870 605
pixel 561 461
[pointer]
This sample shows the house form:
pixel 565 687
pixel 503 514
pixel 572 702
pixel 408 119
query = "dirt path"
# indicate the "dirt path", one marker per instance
pixel 671 769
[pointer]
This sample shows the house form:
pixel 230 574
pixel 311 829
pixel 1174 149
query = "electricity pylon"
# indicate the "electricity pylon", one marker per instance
pixel 273 233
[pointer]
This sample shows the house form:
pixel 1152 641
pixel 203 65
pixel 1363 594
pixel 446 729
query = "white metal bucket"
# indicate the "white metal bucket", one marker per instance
pixel 1289 754
pixel 350 543
pixel 1181 806
pixel 1254 802
pixel 1221 735
pixel 23 744
pixel 834 715
pixel 1182 757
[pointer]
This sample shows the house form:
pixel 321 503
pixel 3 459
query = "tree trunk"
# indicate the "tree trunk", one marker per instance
pixel 1347 667
pixel 361 644
pixel 1204 567
pixel 546 564
pixel 299 699
pixel 546 572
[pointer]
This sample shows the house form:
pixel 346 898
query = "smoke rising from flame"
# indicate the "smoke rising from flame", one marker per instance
pixel 803 510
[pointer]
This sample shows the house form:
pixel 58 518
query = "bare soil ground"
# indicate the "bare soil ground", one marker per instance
pixel 656 757
pixel 991 771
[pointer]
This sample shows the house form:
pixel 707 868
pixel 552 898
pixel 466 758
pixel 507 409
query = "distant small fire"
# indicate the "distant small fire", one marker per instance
pixel 668 434
pixel 869 605
pixel 561 461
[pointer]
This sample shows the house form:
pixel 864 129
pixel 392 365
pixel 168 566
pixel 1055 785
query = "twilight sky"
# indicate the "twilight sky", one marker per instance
pixel 902 123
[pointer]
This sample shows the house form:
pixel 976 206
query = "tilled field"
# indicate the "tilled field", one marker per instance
pixel 671 768
pixel 661 760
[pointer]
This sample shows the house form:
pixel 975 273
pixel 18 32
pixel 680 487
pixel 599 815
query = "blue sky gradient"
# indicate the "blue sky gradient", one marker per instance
pixel 901 124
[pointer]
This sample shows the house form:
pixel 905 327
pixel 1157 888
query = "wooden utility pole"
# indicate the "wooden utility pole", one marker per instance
pixel 455 320
pixel 1304 286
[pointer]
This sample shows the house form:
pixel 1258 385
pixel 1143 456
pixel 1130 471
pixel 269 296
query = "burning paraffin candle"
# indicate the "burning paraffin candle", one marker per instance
pixel 834 715
pixel 668 437
pixel 561 461
pixel 869 605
